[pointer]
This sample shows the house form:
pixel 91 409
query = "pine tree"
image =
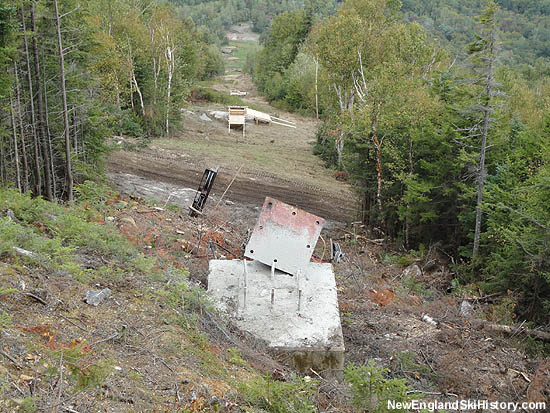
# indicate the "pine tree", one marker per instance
pixel 68 167
pixel 483 55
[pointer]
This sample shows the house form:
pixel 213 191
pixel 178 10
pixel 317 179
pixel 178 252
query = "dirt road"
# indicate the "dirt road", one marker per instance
pixel 249 188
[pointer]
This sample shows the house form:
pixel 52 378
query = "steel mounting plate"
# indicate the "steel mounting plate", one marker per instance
pixel 284 236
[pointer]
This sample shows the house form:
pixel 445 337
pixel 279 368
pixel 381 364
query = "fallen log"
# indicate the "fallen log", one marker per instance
pixel 283 124
pixel 512 330
pixel 284 120
pixel 25 253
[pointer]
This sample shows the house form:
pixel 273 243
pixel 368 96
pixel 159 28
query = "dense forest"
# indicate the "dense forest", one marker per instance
pixel 446 146
pixel 75 74
pixel 214 17
pixel 523 26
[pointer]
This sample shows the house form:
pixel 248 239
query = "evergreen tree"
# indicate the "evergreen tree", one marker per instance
pixel 483 55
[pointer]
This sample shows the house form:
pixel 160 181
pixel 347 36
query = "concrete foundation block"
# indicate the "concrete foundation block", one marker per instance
pixel 295 315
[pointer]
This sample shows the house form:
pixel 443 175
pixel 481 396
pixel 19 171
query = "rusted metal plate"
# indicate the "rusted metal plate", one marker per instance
pixel 285 236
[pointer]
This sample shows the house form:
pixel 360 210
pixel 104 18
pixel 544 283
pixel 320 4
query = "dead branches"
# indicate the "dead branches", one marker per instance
pixel 511 330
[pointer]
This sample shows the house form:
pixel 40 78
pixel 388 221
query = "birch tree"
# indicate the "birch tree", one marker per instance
pixel 171 67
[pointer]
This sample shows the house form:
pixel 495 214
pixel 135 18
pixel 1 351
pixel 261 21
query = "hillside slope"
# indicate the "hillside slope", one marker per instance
pixel 524 25
pixel 152 343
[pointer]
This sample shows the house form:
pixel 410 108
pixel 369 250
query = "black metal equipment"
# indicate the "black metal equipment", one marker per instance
pixel 205 186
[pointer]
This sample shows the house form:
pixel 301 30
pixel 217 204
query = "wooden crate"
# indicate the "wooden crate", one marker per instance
pixel 237 117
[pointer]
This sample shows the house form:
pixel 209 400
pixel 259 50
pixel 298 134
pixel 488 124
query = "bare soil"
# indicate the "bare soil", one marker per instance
pixel 415 329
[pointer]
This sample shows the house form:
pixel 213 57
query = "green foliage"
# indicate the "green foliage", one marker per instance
pixel 129 70
pixel 5 320
pixel 26 208
pixel 275 71
pixel 404 260
pixel 520 238
pixel 505 311
pixel 216 96
pixel 142 263
pixel 536 349
pixel 280 397
pixel 84 372
pixel 235 357
pixel 28 405
pixel 5 291
pixel 522 25
pixel 7 32
pixel 212 63
pixel 91 376
pixel 414 286
pixel 409 364
pixel 215 17
pixel 101 239
pixel 411 145
pixel 394 141
pixel 55 235
pixel 49 253
pixel 126 123
pixel 94 193
pixel 371 390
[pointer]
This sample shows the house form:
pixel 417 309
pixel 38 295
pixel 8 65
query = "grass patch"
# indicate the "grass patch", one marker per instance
pixel 243 48
pixel 55 235
pixel 274 396
pixel 216 96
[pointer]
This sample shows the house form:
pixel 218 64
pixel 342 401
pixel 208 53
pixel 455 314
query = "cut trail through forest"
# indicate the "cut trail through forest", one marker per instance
pixel 276 161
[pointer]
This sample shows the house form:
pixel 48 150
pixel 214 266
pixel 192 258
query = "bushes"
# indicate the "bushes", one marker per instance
pixel 215 96
pixel 94 193
pixel 371 390
pixel 129 124
pixel 276 70
pixel 212 63
pixel 54 233
pixel 519 232
pixel 280 397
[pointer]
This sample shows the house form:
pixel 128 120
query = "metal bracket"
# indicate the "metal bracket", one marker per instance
pixel 205 187
pixel 284 236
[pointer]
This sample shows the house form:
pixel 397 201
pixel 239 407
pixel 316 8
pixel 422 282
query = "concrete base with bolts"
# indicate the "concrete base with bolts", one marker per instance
pixel 296 316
